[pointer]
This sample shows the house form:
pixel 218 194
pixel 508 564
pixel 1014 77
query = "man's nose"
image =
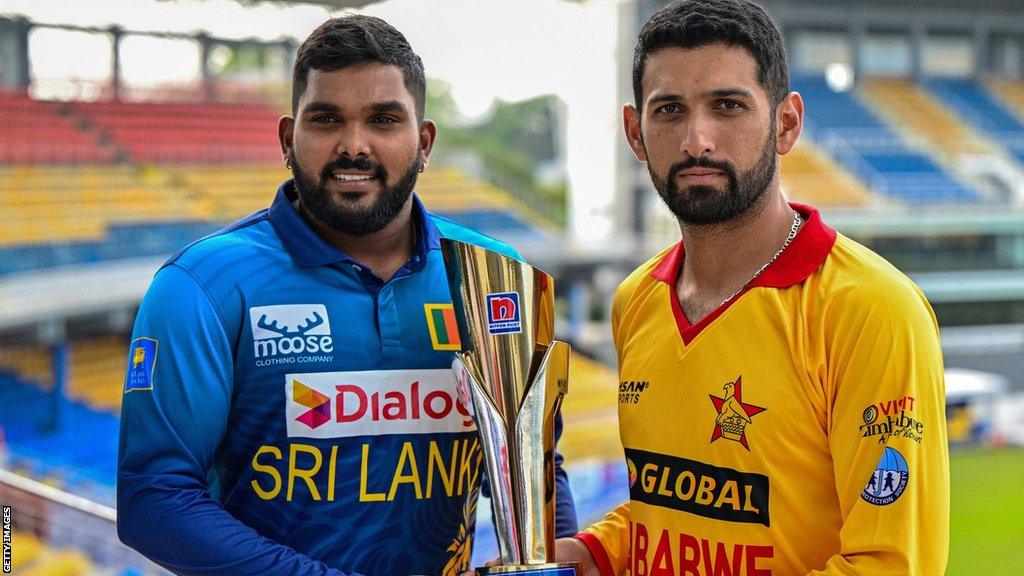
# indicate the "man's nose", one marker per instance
pixel 353 142
pixel 697 138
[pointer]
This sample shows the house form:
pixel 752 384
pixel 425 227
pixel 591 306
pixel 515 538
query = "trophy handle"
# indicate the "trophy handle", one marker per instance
pixel 492 427
pixel 535 444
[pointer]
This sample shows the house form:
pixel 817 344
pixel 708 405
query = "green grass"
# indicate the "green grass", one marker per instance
pixel 986 519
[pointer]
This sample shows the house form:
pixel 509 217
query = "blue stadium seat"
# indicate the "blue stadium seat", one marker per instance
pixel 80 446
pixel 866 146
pixel 977 106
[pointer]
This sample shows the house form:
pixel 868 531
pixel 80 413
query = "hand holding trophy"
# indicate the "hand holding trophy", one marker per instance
pixel 512 376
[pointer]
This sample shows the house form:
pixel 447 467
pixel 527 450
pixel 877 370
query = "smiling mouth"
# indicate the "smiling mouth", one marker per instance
pixel 353 177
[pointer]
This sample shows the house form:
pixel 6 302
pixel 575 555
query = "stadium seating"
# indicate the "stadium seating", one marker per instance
pixel 808 175
pixel 976 105
pixel 171 133
pixel 46 132
pixel 1011 93
pixel 862 143
pixel 589 412
pixel 50 435
pixel 60 215
pixel 919 115
pixel 97 373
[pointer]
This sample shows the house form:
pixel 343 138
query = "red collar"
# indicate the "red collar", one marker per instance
pixel 804 255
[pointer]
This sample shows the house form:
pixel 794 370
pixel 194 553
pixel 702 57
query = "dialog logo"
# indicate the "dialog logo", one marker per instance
pixel 290 330
pixel 888 480
pixel 374 403
pixel 503 313
pixel 319 405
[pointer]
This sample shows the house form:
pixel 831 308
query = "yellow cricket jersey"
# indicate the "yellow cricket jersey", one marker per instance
pixel 798 429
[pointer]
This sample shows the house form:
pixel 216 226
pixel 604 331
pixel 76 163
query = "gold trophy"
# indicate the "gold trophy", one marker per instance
pixel 512 376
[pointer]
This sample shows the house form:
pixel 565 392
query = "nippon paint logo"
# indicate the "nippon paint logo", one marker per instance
pixel 503 313
pixel 290 330
pixel 374 403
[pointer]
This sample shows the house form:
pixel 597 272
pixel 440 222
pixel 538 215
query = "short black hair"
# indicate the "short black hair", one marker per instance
pixel 350 40
pixel 696 23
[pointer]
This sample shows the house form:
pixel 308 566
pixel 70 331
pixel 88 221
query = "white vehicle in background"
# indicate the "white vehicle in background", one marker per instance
pixel 979 410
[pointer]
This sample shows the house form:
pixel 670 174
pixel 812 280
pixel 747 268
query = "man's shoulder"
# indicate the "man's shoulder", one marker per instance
pixel 856 277
pixel 240 247
pixel 455 231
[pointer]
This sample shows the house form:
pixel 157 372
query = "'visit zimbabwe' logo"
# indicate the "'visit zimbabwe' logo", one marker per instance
pixel 733 414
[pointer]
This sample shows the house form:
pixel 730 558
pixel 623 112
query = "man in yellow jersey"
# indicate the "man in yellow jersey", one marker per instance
pixel 781 396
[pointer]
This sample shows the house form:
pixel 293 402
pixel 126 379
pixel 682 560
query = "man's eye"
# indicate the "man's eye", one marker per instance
pixel 669 109
pixel 324 119
pixel 730 105
pixel 385 120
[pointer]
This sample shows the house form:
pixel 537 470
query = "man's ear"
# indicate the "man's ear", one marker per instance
pixel 428 134
pixel 789 122
pixel 285 135
pixel 631 125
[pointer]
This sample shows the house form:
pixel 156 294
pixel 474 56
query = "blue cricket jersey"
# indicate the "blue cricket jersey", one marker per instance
pixel 288 413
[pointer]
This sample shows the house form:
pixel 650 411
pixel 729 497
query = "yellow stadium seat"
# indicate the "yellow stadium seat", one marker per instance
pixel 1010 92
pixel 923 118
pixel 590 411
pixel 25 548
pixel 97 373
pixel 31 363
pixel 61 563
pixel 810 176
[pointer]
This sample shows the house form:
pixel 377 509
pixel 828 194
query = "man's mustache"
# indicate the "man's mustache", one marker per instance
pixel 701 162
pixel 361 163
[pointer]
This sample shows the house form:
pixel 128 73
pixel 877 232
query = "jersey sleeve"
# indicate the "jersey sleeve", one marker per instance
pixel 173 416
pixel 887 433
pixel 608 541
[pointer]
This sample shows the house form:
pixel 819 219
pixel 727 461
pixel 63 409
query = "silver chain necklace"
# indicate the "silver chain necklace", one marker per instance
pixel 792 234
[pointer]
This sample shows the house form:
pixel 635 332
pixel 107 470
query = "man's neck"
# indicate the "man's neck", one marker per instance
pixel 384 251
pixel 720 259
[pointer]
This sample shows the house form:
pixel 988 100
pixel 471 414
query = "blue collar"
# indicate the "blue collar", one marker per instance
pixel 309 249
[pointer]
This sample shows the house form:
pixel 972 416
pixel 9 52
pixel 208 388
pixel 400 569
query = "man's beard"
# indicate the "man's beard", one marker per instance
pixel 318 201
pixel 708 205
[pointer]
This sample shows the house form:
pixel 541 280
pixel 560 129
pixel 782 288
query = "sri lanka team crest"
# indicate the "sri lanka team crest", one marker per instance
pixel 141 363
pixel 503 313
pixel 733 414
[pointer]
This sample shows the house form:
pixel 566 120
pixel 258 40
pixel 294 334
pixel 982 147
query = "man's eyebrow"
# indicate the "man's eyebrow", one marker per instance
pixel 320 107
pixel 715 93
pixel 665 98
pixel 389 106
pixel 726 92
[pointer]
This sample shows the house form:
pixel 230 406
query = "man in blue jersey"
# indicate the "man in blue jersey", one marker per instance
pixel 289 407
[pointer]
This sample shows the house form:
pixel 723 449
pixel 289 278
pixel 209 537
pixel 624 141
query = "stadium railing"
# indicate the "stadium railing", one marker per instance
pixel 65 521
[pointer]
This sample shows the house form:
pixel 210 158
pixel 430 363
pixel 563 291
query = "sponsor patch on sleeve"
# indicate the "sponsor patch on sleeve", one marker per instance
pixel 141 363
pixel 888 479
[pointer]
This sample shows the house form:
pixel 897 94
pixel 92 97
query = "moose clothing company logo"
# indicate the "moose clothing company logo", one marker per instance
pixel 291 332
pixel 503 313
pixel 374 403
